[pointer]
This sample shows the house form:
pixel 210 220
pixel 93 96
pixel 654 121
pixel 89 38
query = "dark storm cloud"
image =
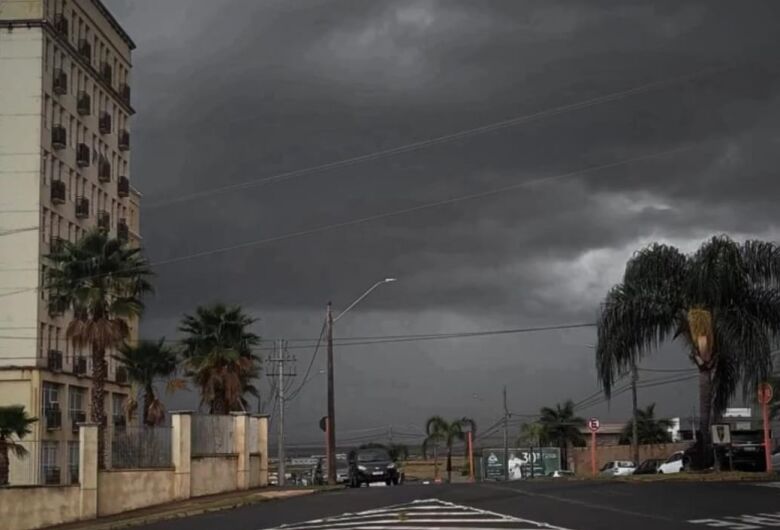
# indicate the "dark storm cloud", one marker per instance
pixel 228 92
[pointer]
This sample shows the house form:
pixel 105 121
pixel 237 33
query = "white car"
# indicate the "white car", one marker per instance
pixel 673 464
pixel 776 461
pixel 618 468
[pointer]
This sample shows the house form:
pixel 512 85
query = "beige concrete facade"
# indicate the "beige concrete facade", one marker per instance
pixel 64 169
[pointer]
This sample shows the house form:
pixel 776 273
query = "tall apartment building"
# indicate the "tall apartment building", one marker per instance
pixel 64 169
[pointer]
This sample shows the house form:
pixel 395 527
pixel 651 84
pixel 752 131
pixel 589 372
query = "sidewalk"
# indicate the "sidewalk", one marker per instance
pixel 188 508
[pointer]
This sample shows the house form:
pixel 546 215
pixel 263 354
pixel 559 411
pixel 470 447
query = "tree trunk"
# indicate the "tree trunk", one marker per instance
pixel 449 463
pixel 564 454
pixel 4 464
pixel 705 416
pixel 98 412
pixel 435 463
pixel 148 395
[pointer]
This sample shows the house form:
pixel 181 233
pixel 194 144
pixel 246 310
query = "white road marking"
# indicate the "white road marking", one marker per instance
pixel 427 514
pixel 742 522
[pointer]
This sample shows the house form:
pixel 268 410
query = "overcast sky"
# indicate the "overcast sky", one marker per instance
pixel 228 92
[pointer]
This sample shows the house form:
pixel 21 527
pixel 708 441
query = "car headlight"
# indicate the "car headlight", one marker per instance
pixel 391 466
pixel 362 468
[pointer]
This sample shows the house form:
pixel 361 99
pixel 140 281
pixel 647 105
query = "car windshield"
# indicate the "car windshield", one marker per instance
pixel 373 455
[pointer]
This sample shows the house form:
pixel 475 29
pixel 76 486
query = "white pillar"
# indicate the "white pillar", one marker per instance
pixel 88 470
pixel 181 449
pixel 241 448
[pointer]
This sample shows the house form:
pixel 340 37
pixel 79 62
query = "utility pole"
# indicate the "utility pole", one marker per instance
pixel 331 456
pixel 635 423
pixel 506 438
pixel 278 370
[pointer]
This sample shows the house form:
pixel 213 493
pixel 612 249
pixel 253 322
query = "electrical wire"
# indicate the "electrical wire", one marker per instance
pixel 459 135
pixel 298 390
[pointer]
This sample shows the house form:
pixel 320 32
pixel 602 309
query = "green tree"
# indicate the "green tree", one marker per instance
pixel 101 280
pixel 650 429
pixel 532 434
pixel 218 356
pixel 14 426
pixel 438 431
pixel 722 302
pixel 148 362
pixel 562 426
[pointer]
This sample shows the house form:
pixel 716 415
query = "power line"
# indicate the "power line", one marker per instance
pixel 297 391
pixel 459 135
pixel 403 211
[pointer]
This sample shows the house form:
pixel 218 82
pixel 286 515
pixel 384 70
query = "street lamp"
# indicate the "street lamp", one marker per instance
pixel 331 431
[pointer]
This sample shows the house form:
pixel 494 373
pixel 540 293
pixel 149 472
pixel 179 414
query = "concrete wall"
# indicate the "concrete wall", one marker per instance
pixel 120 491
pixel 36 507
pixel 213 474
pixel 579 457
pixel 254 471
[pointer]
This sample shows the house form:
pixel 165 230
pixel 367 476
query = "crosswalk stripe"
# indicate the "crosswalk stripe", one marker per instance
pixel 424 514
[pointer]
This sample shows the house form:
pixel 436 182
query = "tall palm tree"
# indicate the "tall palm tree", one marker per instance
pixel 147 362
pixel 560 425
pixel 532 434
pixel 438 430
pixel 650 430
pixel 723 302
pixel 14 425
pixel 101 280
pixel 218 356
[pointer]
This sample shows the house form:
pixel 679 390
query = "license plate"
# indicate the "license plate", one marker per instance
pixel 378 473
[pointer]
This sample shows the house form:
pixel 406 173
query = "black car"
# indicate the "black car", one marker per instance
pixel 371 465
pixel 649 466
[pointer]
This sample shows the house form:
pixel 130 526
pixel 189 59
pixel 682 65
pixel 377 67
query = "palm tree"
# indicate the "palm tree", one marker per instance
pixel 723 302
pixel 101 280
pixel 146 363
pixel 532 434
pixel 439 430
pixel 14 422
pixel 774 405
pixel 218 356
pixel 649 429
pixel 561 426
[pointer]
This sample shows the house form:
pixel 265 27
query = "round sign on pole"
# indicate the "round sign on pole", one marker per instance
pixel 765 393
pixel 594 424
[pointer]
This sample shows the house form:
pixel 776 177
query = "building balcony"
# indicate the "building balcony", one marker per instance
pixel 74 474
pixel 124 139
pixel 85 50
pixel 104 169
pixel 82 207
pixel 124 92
pixel 60 82
pixel 58 192
pixel 104 220
pixel 60 24
pixel 104 123
pixel 122 234
pixel 54 360
pixel 59 137
pixel 80 365
pixel 84 104
pixel 82 155
pixel 52 418
pixel 123 187
pixel 55 310
pixel 56 246
pixel 51 475
pixel 76 417
pixel 106 73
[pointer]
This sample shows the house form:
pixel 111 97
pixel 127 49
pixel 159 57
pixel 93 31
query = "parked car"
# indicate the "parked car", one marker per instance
pixel 649 466
pixel 560 473
pixel 372 465
pixel 776 460
pixel 673 464
pixel 617 468
pixel 746 452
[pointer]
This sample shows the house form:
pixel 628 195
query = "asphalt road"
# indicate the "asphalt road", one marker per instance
pixel 566 504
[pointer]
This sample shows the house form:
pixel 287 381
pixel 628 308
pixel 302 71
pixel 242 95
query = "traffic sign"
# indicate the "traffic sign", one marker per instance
pixel 594 424
pixel 765 393
pixel 324 424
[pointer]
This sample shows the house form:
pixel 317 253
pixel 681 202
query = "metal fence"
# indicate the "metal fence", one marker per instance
pixel 43 463
pixel 212 435
pixel 141 447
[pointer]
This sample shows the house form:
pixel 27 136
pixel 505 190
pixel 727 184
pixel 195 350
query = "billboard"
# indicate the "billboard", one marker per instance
pixel 543 460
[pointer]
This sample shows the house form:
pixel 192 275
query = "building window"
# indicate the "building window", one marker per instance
pixel 118 406
pixel 51 397
pixel 73 462
pixel 43 282
pixel 49 459
pixel 41 337
pixel 77 403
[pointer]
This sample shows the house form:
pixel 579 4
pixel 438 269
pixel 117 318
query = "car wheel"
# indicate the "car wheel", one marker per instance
pixel 395 481
pixel 388 482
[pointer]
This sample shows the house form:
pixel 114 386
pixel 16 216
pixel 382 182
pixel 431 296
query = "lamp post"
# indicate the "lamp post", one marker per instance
pixel 331 425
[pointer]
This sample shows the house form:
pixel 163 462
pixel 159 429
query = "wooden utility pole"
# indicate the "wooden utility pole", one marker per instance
pixel 506 438
pixel 331 456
